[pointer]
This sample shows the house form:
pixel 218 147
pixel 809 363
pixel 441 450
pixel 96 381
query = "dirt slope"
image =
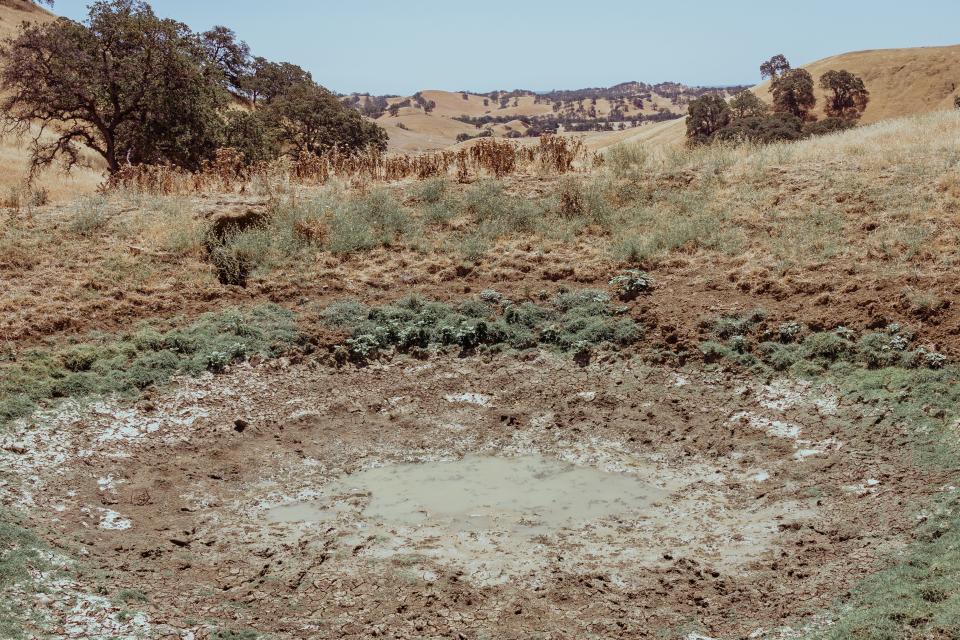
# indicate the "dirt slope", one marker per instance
pixel 14 12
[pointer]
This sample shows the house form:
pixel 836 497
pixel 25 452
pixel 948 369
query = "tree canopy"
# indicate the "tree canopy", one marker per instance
pixel 705 116
pixel 128 85
pixel 793 93
pixel 774 67
pixel 847 96
pixel 139 89
pixel 747 104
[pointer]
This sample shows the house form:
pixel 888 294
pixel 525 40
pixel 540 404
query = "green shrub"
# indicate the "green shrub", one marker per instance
pixel 631 283
pixel 430 191
pixel 569 322
pixel 488 204
pixel 90 216
pixel 626 160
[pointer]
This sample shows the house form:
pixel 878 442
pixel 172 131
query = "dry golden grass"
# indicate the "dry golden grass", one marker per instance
pixel 901 82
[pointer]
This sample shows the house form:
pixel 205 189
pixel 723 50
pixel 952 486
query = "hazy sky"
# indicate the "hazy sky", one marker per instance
pixel 399 47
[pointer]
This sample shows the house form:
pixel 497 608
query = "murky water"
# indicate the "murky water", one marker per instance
pixel 529 494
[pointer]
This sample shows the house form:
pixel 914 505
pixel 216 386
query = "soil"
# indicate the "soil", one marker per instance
pixel 748 504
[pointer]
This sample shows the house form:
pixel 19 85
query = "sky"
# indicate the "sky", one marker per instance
pixel 393 47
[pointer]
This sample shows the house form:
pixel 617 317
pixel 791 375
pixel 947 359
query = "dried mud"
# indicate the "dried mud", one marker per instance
pixel 769 501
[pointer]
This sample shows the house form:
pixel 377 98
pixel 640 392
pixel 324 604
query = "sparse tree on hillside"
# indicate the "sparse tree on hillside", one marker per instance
pixel 793 94
pixel 774 67
pixel 394 110
pixel 747 104
pixel 706 115
pixel 847 97
pixel 128 85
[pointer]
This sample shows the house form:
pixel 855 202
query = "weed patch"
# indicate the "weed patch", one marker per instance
pixel 129 363
pixel 573 321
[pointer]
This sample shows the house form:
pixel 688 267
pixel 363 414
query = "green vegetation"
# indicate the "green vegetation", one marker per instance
pixel 632 283
pixel 848 97
pixel 909 389
pixel 804 354
pixel 368 221
pixel 232 634
pixel 125 364
pixel 747 117
pixel 917 597
pixel 21 556
pixel 571 321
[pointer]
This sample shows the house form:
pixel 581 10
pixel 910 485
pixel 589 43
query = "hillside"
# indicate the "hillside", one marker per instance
pixel 780 380
pixel 13 155
pixel 14 12
pixel 432 119
pixel 901 82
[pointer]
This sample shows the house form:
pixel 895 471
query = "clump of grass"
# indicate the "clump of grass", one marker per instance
pixel 627 160
pixel 489 204
pixel 439 205
pixel 583 200
pixel 125 364
pixel 369 221
pixel 431 190
pixel 21 557
pixel 91 216
pixel 572 321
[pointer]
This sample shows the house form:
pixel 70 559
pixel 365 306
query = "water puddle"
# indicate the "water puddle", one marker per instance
pixel 502 518
pixel 529 494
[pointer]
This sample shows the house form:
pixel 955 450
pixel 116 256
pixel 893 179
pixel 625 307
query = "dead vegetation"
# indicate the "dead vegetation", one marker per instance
pixel 229 173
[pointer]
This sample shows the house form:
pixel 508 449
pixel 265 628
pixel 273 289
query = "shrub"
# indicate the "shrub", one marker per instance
pixel 431 190
pixel 368 221
pixel 626 160
pixel 632 283
pixel 489 204
pixel 763 129
pixel 572 321
pixel 828 125
pixel 90 216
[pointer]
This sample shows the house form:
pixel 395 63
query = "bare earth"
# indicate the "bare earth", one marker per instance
pixel 768 500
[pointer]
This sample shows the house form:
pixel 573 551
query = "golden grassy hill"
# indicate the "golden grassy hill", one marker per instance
pixel 901 82
pixel 15 12
pixel 13 152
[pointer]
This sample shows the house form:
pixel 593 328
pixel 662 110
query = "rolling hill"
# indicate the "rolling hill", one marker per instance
pixel 902 82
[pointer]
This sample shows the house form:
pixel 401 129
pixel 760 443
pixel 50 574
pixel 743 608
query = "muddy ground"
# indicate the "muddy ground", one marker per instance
pixel 769 500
